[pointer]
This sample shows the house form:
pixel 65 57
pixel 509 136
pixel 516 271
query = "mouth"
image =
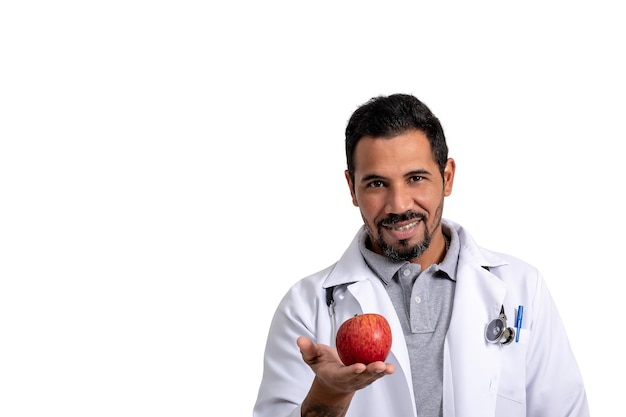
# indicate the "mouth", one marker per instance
pixel 401 231
pixel 403 228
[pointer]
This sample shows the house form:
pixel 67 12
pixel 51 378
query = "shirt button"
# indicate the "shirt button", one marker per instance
pixel 418 299
pixel 406 272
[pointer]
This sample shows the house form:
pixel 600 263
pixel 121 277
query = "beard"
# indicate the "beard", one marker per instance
pixel 403 250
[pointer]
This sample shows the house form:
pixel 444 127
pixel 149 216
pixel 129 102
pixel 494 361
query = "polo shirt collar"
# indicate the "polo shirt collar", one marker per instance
pixel 386 268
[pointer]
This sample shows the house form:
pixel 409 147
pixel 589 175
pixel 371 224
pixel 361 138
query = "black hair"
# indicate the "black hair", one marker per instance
pixel 390 116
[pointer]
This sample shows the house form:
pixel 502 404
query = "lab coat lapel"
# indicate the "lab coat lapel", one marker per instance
pixel 368 296
pixel 471 365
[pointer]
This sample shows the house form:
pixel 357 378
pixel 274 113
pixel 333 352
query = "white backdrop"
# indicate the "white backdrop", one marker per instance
pixel 168 169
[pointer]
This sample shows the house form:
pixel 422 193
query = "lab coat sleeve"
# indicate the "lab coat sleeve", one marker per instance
pixel 286 377
pixel 554 383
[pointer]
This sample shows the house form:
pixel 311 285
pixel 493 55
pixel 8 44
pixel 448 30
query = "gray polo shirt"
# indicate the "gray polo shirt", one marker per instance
pixel 423 302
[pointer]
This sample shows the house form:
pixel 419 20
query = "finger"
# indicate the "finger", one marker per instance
pixel 307 348
pixel 381 368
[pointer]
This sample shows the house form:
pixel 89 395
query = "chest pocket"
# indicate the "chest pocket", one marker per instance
pixel 512 385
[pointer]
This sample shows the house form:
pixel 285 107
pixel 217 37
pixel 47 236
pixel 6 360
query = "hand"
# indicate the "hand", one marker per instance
pixel 334 382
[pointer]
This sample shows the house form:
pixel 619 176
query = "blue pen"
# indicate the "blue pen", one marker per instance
pixel 518 322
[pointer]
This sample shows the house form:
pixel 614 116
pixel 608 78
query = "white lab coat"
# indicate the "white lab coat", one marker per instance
pixel 535 377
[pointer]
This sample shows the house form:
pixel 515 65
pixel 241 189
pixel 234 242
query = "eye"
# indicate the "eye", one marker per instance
pixel 416 178
pixel 376 184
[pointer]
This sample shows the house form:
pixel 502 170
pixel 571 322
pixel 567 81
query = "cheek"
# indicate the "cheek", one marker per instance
pixel 370 208
pixel 429 201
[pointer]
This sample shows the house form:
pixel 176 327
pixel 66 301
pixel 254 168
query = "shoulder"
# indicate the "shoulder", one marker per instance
pixel 499 263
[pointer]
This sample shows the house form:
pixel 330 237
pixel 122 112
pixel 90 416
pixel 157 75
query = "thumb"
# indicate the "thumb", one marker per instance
pixel 307 348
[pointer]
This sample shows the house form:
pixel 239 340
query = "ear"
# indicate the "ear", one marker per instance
pixel 448 176
pixel 351 186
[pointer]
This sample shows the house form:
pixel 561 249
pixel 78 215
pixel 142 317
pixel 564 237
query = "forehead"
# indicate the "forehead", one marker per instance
pixel 409 150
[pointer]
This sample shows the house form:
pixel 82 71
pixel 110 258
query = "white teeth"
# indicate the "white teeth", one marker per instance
pixel 407 227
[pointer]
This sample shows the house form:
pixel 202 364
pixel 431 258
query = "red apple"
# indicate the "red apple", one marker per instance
pixel 364 338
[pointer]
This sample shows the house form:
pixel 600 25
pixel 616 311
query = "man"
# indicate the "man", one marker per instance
pixel 447 300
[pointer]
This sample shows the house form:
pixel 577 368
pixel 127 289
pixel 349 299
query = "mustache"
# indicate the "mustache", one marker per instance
pixel 404 217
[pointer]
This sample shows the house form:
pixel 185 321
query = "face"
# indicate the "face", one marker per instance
pixel 400 191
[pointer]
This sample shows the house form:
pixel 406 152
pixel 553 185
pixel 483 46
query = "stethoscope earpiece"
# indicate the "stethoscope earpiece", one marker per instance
pixel 498 332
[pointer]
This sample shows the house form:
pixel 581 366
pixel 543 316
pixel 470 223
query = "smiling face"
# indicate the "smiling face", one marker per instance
pixel 400 191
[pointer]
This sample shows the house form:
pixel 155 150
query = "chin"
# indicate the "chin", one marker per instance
pixel 404 253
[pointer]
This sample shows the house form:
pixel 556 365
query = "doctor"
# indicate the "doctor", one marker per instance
pixel 458 347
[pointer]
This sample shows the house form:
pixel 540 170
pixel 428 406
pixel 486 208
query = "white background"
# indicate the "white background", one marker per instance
pixel 168 169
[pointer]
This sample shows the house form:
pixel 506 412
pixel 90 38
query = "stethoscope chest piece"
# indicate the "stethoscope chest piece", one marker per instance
pixel 497 330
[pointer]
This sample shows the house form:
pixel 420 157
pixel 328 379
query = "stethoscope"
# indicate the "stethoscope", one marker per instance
pixel 498 332
pixel 330 302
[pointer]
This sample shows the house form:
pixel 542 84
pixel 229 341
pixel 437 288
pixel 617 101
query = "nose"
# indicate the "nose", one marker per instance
pixel 399 200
